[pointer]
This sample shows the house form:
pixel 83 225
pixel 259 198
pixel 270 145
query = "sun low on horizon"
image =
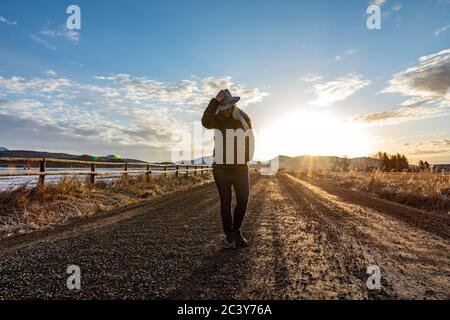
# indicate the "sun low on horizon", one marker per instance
pixel 312 133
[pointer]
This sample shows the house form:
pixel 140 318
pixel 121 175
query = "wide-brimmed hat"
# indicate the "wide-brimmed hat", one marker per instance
pixel 228 102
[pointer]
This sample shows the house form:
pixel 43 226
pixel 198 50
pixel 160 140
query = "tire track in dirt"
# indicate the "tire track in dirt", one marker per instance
pixel 297 259
pixel 415 264
pixel 290 257
pixel 223 273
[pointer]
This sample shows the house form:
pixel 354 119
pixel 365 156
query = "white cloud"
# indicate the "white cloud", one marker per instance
pixel 62 32
pixel 430 78
pixel 388 12
pixel 337 90
pixel 405 114
pixel 427 84
pixel 397 7
pixel 113 77
pixel 7 21
pixel 12 84
pixel 42 41
pixel 378 2
pixel 186 92
pixel 50 73
pixel 311 78
pixel 347 53
pixel 442 30
pixel 35 85
pixel 428 148
pixel 123 110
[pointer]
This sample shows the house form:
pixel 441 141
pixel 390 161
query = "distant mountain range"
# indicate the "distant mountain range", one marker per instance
pixel 285 162
pixel 304 162
pixel 308 162
pixel 4 152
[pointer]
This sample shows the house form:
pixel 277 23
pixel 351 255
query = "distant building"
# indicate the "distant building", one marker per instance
pixel 365 164
pixel 441 168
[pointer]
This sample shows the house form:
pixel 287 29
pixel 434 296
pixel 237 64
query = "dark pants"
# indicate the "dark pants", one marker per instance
pixel 239 179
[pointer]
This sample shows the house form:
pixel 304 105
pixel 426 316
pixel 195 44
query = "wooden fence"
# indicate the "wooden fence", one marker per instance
pixel 150 168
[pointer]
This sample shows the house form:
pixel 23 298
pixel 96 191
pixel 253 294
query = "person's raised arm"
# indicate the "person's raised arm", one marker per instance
pixel 210 112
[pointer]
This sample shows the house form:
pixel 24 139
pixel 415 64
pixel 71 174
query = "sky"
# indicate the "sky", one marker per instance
pixel 135 79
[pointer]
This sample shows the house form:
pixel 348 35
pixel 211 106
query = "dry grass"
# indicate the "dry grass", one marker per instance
pixel 425 190
pixel 30 208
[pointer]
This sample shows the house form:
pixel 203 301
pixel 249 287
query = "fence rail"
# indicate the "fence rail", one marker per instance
pixel 150 168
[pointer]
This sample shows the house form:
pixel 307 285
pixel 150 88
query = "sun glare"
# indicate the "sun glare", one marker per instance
pixel 312 133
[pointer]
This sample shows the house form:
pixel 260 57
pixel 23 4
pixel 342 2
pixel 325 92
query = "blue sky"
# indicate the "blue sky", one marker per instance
pixel 138 71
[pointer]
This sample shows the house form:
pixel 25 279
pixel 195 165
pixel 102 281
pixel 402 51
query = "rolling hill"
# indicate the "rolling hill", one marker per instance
pixel 4 152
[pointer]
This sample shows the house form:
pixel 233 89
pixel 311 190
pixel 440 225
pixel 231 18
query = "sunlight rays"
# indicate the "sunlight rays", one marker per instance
pixel 313 133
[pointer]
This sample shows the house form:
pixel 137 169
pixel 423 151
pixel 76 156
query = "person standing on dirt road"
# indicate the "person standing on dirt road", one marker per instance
pixel 233 149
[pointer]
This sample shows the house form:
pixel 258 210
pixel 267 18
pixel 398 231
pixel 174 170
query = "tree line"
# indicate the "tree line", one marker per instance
pixel 393 162
pixel 398 162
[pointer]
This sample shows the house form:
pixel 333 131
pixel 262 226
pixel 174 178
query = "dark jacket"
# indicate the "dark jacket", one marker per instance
pixel 212 121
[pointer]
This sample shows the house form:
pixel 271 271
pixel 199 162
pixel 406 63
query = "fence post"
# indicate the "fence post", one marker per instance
pixel 195 170
pixel 176 172
pixel 187 171
pixel 42 170
pixel 147 174
pixel 126 171
pixel 92 174
pixel 165 174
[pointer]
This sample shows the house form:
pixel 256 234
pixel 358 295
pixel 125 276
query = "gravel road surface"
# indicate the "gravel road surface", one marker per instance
pixel 308 241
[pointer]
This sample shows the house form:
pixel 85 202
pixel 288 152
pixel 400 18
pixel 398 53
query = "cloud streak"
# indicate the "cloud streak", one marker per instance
pixel 378 2
pixel 42 42
pixel 426 84
pixel 430 78
pixel 62 32
pixel 311 78
pixel 337 90
pixel 429 148
pixel 7 21
pixel 401 115
pixel 442 30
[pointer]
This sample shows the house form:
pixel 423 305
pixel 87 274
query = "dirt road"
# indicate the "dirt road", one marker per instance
pixel 308 241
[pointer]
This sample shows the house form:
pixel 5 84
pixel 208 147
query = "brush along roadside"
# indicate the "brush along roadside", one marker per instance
pixel 28 209
pixel 426 191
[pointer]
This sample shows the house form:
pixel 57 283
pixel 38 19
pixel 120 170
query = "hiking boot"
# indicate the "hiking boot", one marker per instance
pixel 240 241
pixel 229 242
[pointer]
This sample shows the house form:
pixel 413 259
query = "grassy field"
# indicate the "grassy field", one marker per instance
pixel 30 208
pixel 426 191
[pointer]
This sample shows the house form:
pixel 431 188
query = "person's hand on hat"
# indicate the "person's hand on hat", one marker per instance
pixel 221 95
